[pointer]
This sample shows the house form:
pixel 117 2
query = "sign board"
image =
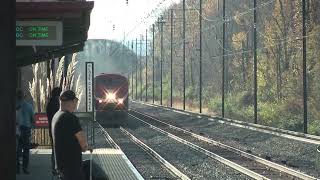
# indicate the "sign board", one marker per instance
pixel 89 86
pixel 41 120
pixel 39 33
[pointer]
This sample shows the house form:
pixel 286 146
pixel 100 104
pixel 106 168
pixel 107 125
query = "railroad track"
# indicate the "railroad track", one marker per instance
pixel 253 166
pixel 298 136
pixel 108 137
pixel 148 151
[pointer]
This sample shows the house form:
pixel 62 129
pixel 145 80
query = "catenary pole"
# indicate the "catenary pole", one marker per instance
pixel 223 53
pixel 136 68
pixel 152 63
pixel 171 56
pixel 200 57
pixel 184 53
pixel 146 65
pixel 255 61
pixel 304 51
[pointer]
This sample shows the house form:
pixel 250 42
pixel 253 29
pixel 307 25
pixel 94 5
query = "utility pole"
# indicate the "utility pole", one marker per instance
pixel 161 21
pixel 132 72
pixel 223 52
pixel 200 57
pixel 255 60
pixel 153 63
pixel 184 53
pixel 171 56
pixel 140 63
pixel 304 51
pixel 146 65
pixel 136 68
pixel 161 60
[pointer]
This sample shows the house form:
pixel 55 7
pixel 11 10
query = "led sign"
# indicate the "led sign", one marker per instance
pixel 39 33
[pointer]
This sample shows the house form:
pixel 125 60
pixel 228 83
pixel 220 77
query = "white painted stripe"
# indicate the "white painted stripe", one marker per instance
pixel 106 151
pixel 40 151
pixel 118 150
pixel 133 169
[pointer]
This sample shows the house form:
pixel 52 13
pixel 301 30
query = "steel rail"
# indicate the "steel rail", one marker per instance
pixel 108 137
pixel 155 155
pixel 227 162
pixel 307 138
pixel 242 153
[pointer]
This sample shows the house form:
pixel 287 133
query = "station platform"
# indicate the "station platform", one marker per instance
pixel 113 162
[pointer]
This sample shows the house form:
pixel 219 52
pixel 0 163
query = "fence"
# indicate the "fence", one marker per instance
pixel 256 61
pixel 40 134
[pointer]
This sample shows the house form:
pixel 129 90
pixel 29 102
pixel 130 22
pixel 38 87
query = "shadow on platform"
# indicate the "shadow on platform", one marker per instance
pixel 39 167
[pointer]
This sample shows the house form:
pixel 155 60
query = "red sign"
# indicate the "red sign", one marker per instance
pixel 41 120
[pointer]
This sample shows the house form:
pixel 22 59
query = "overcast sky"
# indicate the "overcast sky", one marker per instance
pixel 126 18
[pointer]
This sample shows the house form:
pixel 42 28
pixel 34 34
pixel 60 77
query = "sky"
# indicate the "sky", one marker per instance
pixel 126 18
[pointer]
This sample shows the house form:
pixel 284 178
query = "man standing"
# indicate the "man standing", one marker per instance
pixel 68 138
pixel 52 107
pixel 26 122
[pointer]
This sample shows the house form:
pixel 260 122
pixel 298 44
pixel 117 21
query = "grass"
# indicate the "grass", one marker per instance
pixel 285 114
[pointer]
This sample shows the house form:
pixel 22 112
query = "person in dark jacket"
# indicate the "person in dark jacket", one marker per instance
pixel 52 107
pixel 26 123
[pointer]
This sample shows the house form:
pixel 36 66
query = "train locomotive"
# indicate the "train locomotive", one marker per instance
pixel 111 99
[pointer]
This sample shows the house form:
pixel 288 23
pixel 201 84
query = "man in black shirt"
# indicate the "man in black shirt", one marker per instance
pixel 68 138
pixel 52 107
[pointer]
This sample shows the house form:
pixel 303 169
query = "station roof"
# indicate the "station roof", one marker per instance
pixel 75 17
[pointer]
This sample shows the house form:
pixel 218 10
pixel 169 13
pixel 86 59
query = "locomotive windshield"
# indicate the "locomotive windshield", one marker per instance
pixel 104 84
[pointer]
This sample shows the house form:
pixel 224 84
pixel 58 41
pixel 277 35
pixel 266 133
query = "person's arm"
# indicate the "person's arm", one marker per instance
pixel 82 140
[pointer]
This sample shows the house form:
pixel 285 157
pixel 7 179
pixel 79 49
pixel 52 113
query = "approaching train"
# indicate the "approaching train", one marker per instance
pixel 111 99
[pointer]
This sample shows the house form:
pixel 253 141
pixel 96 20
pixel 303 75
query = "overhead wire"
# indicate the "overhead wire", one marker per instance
pixel 265 47
pixel 229 18
pixel 142 21
pixel 232 17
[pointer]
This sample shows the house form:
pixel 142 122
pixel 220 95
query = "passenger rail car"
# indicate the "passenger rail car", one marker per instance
pixel 111 98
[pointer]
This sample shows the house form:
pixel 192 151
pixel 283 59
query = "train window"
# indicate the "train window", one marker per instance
pixel 103 84
pixel 109 81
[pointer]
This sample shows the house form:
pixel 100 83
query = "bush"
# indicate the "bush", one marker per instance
pixel 247 98
pixel 314 128
pixel 293 106
pixel 214 104
pixel 269 113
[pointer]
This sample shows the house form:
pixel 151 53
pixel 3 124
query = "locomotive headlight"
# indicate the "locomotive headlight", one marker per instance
pixel 120 101
pixel 100 101
pixel 111 96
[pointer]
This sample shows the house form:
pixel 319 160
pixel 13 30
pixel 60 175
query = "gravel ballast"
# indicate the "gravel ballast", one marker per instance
pixel 100 139
pixel 190 162
pixel 148 167
pixel 291 153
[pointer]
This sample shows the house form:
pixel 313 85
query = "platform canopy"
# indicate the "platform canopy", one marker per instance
pixel 75 18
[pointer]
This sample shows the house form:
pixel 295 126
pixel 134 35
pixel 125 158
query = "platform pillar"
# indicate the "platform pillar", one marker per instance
pixel 7 89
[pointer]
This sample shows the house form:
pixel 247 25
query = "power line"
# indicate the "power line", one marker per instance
pixel 232 17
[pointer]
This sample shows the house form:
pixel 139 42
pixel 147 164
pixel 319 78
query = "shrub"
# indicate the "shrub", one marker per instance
pixel 294 106
pixel 246 98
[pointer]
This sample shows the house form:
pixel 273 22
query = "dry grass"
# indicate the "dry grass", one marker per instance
pixel 41 136
pixel 40 86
